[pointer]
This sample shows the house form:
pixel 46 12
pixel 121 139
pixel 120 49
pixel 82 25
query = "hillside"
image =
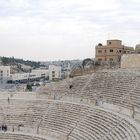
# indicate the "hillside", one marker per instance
pixel 19 65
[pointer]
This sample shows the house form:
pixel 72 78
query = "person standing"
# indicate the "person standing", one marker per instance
pixel 8 100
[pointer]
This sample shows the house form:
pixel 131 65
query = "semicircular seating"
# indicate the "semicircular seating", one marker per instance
pixel 118 87
pixel 67 120
pixel 19 136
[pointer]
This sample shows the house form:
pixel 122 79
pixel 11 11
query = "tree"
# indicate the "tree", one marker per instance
pixel 87 62
pixel 29 87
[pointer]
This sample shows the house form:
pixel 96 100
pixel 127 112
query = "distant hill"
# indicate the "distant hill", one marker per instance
pixel 19 65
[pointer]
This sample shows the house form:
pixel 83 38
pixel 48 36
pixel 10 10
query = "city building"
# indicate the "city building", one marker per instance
pixel 4 74
pixel 137 49
pixel 36 74
pixel 112 51
pixel 43 73
pixel 19 77
pixel 54 72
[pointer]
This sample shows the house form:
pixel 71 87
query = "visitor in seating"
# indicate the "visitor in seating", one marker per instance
pixel 8 100
pixel 70 86
pixel 96 102
pixel 4 127
pixel 13 129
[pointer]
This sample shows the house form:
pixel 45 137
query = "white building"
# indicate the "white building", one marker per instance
pixel 41 72
pixel 34 74
pixel 4 74
pixel 19 76
pixel 54 72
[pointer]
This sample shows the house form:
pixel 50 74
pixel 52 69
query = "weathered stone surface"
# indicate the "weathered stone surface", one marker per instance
pixel 130 61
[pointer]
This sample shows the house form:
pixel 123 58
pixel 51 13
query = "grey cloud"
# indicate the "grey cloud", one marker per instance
pixel 69 22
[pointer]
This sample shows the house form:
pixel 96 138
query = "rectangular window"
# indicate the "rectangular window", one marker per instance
pixel 99 59
pixel 99 51
pixel 53 72
pixel 111 50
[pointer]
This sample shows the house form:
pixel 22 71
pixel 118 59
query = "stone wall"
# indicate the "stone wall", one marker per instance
pixel 130 61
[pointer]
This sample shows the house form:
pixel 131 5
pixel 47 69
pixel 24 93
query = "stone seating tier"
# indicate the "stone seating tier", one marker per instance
pixel 73 121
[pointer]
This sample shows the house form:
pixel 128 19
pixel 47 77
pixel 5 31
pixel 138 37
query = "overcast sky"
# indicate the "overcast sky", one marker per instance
pixel 65 29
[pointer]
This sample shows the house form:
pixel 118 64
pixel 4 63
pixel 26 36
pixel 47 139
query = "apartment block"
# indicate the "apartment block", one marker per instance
pixel 112 51
pixel 4 74
pixel 55 72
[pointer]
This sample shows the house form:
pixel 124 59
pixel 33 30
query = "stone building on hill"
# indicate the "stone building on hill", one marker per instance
pixel 112 51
